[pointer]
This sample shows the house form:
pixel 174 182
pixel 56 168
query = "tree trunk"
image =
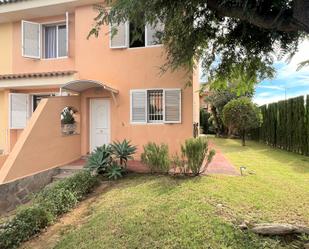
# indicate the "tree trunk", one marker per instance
pixel 243 136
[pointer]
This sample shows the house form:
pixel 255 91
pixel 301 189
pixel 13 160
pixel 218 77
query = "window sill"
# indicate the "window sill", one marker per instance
pixel 58 58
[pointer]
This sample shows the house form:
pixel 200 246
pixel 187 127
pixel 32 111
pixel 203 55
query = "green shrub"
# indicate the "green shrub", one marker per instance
pixel 52 201
pixel 156 157
pixel 64 195
pixel 57 200
pixel 27 222
pixel 114 171
pixel 195 151
pixel 204 123
pixel 80 184
pixel 123 151
pixel 100 159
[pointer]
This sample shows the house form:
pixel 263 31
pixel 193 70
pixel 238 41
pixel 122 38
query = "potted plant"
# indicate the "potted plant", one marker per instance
pixel 68 123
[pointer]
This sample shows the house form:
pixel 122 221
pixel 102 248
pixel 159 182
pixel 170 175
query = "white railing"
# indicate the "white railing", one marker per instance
pixel 4 145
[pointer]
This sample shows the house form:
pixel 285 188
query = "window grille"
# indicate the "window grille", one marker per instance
pixel 155 106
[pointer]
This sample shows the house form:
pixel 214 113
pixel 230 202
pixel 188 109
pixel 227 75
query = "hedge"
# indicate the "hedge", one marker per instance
pixel 286 125
pixel 46 206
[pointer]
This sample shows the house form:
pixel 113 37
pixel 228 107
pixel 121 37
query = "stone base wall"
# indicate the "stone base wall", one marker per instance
pixel 17 192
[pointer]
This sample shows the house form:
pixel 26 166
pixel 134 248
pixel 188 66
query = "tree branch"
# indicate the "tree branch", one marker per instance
pixel 299 21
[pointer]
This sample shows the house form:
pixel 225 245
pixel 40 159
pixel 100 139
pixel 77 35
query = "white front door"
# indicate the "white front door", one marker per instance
pixel 99 122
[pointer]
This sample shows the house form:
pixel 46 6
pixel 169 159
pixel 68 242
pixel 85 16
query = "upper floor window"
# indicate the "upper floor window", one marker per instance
pixel 54 41
pixel 124 35
pixel 45 40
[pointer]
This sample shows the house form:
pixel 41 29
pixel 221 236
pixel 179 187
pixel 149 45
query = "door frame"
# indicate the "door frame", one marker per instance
pixel 90 120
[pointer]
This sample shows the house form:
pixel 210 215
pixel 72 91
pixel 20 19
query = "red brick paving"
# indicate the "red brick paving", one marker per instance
pixel 219 164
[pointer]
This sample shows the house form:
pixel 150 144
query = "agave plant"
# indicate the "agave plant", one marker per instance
pixel 123 151
pixel 114 171
pixel 100 159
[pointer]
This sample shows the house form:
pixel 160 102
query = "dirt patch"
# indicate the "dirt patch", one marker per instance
pixel 72 220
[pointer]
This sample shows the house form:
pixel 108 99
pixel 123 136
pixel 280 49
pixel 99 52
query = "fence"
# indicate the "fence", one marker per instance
pixel 286 125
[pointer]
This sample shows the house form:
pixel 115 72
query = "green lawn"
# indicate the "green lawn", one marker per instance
pixel 164 212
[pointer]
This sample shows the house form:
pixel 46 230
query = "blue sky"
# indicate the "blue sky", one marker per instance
pixel 288 79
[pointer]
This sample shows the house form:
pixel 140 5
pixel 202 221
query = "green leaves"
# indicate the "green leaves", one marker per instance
pixel 286 125
pixel 106 156
pixel 114 171
pixel 233 49
pixel 100 159
pixel 156 157
pixel 195 151
pixel 123 151
pixel 241 114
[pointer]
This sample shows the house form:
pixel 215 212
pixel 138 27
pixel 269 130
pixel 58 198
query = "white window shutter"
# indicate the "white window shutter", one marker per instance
pixel 19 110
pixel 138 106
pixel 119 35
pixel 151 32
pixel 67 34
pixel 172 105
pixel 31 39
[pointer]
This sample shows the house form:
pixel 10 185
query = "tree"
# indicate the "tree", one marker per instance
pixel 217 99
pixel 243 115
pixel 228 35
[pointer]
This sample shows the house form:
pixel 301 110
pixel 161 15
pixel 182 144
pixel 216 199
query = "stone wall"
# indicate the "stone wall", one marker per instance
pixel 17 192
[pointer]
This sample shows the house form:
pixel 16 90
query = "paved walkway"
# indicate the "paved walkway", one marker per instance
pixel 219 164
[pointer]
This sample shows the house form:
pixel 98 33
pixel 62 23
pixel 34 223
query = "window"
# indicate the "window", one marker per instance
pixel 45 40
pixel 136 36
pixel 123 35
pixel 54 41
pixel 21 107
pixel 156 106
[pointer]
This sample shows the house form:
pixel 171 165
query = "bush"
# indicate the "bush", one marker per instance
pixel 241 114
pixel 27 222
pixel 156 157
pixel 100 159
pixel 123 151
pixel 114 171
pixel 104 157
pixel 204 123
pixel 52 201
pixel 195 150
pixel 64 195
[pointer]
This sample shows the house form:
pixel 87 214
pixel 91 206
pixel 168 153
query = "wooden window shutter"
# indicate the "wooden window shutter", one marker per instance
pixel 119 35
pixel 31 39
pixel 172 99
pixel 138 106
pixel 19 110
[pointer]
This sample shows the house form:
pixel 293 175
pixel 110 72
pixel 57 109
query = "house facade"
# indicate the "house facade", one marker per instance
pixel 113 83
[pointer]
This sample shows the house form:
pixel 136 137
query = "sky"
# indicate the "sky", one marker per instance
pixel 288 82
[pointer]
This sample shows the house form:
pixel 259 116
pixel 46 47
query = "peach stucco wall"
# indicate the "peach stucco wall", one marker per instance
pixel 126 69
pixel 122 69
pixel 6 44
pixel 2 160
pixel 41 145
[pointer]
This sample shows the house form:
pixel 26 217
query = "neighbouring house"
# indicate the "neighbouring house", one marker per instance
pixel 114 85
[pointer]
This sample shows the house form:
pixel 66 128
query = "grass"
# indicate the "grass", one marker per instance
pixel 166 212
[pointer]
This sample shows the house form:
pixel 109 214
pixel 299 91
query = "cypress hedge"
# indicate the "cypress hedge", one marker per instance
pixel 286 125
